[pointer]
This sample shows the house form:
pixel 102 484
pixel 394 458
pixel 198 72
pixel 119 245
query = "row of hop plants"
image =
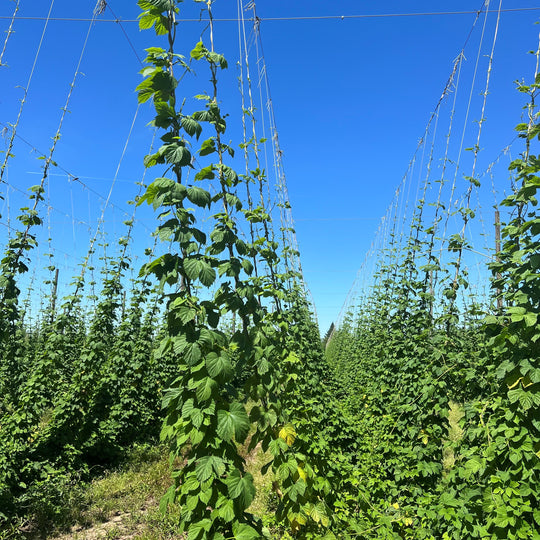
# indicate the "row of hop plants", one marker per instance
pixel 79 386
pixel 443 392
pixel 213 346
pixel 272 358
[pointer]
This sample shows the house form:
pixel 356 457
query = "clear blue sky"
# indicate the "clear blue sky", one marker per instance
pixel 351 97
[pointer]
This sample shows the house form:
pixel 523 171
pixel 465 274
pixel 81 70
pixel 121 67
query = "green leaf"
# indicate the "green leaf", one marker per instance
pixel 165 115
pixel 199 51
pixel 192 267
pixel 233 201
pixel 190 484
pixel 192 354
pixel 177 154
pixel 474 465
pixel 167 499
pixel 208 147
pixel 296 490
pixel 159 5
pixel 242 531
pixel 241 247
pixel 159 85
pixel 144 92
pixel 191 126
pixel 182 311
pixel 225 509
pixel 530 318
pixel 526 399
pixel 147 20
pixel 232 179
pixel 197 418
pixel 218 59
pixel 233 423
pixel 199 196
pixel 158 187
pixel 213 318
pixel 241 488
pixel 219 366
pixel 205 389
pixel 248 267
pixel 207 274
pixel 179 344
pixel 317 512
pixel 151 160
pixel 187 408
pixel 196 530
pixel 208 467
pixel 207 173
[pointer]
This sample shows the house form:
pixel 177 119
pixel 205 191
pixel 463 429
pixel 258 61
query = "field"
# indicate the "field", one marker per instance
pixel 182 390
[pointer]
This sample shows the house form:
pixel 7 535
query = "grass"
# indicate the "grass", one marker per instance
pixel 455 434
pixel 124 504
pixel 265 498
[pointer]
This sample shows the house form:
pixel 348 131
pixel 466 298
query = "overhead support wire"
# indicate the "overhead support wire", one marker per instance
pixel 472 185
pixel 299 18
pixel 101 220
pixel 105 5
pixel 452 199
pixel 72 177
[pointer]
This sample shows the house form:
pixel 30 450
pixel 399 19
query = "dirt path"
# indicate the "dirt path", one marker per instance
pixel 118 527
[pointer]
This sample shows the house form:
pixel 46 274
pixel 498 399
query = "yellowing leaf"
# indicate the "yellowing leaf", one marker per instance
pixel 511 386
pixel 317 512
pixel 396 506
pixel 288 434
pixel 301 473
pixel 296 520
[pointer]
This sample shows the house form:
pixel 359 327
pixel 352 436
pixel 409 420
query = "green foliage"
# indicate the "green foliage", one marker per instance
pixel 497 481
pixel 219 373
pixel 400 359
pixel 83 395
pixel 360 433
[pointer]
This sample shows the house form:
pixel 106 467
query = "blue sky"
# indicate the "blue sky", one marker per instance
pixel 351 98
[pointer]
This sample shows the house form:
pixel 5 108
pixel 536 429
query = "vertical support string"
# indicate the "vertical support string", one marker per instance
pixel 26 89
pixel 9 31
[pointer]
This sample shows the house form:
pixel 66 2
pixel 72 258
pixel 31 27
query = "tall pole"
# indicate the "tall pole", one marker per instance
pixel 497 251
pixel 54 293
